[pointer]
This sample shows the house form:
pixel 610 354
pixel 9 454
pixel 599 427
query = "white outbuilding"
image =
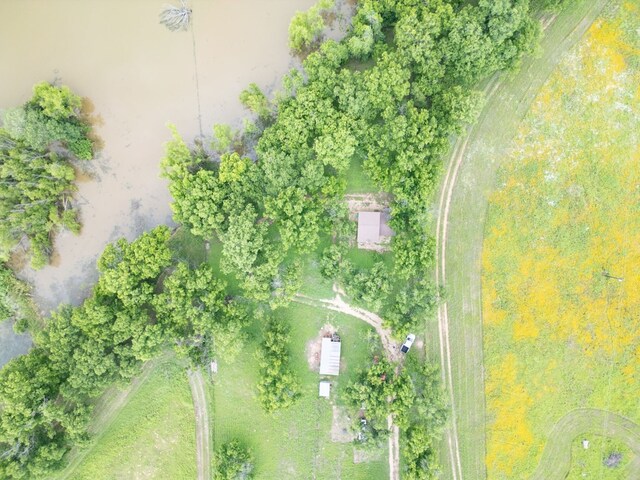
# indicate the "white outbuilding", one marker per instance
pixel 330 356
pixel 325 389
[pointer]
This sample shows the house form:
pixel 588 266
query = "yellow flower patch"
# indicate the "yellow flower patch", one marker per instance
pixel 561 256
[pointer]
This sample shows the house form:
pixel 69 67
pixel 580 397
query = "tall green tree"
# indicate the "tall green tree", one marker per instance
pixel 36 199
pixel 195 314
pixel 52 115
pixel 37 185
pixel 233 461
pixel 37 426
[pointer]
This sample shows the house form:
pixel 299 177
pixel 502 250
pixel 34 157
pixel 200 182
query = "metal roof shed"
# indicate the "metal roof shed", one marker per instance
pixel 368 227
pixel 330 357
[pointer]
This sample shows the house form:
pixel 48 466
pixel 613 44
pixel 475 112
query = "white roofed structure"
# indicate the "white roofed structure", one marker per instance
pixel 324 389
pixel 330 356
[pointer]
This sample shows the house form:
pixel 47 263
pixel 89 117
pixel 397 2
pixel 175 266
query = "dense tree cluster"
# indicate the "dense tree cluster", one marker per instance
pixel 233 461
pixel 43 408
pixel 52 115
pixel 390 105
pixel 37 183
pixel 278 386
pixel 193 309
pixel 371 393
pixel 426 417
pixel 225 198
pixel 126 321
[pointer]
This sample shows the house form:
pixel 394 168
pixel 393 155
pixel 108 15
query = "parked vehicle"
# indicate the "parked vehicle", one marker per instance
pixel 407 343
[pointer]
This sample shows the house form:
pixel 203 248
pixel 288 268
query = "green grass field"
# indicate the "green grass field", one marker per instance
pixel 294 443
pixel 559 284
pixel 481 152
pixel 151 436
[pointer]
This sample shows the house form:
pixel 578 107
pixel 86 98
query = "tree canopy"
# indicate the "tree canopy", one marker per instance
pixel 278 386
pixel 36 198
pixel 233 461
pixel 305 27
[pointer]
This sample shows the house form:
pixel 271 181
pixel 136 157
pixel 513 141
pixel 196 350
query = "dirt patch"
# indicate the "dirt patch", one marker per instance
pixel 340 427
pixel 314 346
pixel 370 202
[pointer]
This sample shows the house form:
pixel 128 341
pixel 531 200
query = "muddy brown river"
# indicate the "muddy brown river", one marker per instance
pixel 137 76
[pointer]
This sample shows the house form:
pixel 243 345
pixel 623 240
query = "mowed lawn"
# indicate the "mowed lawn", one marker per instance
pixel 561 256
pixel 295 443
pixel 152 437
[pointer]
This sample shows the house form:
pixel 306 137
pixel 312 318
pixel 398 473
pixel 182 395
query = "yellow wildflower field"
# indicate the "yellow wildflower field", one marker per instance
pixel 561 255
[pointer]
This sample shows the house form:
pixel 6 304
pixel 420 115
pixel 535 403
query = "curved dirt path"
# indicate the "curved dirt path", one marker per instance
pixel 556 457
pixel 459 232
pixel 391 350
pixel 337 304
pixel 203 437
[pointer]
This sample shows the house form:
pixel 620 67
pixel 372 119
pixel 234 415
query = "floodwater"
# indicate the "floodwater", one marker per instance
pixel 137 77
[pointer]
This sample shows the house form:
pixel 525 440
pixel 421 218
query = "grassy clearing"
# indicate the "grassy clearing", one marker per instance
pixel 590 462
pixel 152 436
pixel 294 443
pixel 358 181
pixel 365 259
pixel 560 460
pixel 483 149
pixel 187 247
pixel 560 332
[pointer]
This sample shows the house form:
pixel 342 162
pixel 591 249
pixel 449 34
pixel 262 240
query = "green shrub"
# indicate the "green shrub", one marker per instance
pixel 306 26
pixel 233 461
